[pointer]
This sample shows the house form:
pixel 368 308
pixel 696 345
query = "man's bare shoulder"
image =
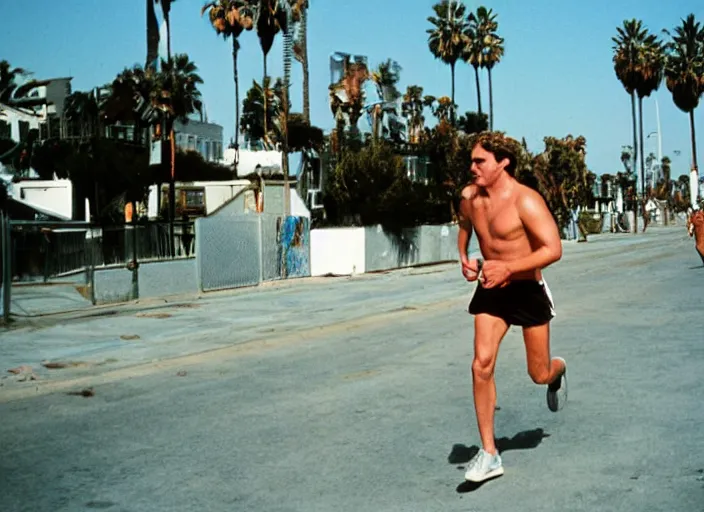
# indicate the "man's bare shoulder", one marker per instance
pixel 529 199
pixel 470 192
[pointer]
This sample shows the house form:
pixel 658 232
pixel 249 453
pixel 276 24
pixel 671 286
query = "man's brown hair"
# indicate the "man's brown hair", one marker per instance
pixel 501 147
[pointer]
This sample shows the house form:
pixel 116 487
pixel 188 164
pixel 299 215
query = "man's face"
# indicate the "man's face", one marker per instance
pixel 485 168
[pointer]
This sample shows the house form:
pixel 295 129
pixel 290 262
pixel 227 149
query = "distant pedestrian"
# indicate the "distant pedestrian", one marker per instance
pixel 695 227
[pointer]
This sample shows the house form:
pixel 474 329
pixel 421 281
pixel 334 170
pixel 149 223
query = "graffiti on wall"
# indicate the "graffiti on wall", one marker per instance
pixel 295 247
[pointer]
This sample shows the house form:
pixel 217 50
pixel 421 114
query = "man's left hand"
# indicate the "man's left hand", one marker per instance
pixel 494 273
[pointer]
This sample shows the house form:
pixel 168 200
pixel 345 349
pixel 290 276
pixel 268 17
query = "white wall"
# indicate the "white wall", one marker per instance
pixel 56 196
pixel 216 193
pixel 298 207
pixel 338 251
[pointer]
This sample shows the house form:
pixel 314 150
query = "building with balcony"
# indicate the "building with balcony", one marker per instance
pixel 200 136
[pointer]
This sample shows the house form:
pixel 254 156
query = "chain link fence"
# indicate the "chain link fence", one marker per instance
pixel 53 267
pixel 244 250
pixel 66 266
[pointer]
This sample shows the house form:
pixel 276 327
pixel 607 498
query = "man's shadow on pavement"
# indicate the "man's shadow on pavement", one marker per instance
pixel 462 454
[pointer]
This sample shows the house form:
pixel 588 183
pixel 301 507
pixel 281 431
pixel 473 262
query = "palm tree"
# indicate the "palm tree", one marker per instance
pixel 300 50
pixel 16 95
pixel 119 106
pixel 229 18
pixel 178 87
pixel 473 54
pixel 412 109
pixel 166 11
pixel 444 110
pixel 493 52
pixel 177 97
pixel 82 114
pixel 649 73
pixel 684 77
pixel 152 36
pixel 255 115
pixel 270 19
pixel 8 80
pixel 448 37
pixel 627 53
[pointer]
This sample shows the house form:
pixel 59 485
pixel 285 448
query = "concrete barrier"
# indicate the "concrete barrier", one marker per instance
pixel 346 251
pixel 337 251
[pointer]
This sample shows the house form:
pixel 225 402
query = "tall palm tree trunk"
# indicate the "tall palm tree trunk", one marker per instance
pixel 635 158
pixel 306 78
pixel 152 35
pixel 235 51
pixel 694 157
pixel 266 111
pixel 479 91
pixel 491 102
pixel 167 20
pixel 452 111
pixel 642 160
pixel 172 153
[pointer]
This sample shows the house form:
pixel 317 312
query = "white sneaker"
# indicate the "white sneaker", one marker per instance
pixel 484 466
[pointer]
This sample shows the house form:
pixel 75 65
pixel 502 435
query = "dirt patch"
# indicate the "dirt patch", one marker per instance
pixel 59 365
pixel 154 315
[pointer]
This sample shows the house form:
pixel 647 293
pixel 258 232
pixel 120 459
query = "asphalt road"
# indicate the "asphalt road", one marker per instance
pixel 372 409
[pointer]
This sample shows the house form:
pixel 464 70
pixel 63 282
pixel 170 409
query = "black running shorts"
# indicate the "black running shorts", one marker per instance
pixel 525 303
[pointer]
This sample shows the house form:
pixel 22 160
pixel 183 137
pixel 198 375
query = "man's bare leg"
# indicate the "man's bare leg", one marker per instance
pixel 541 368
pixel 488 333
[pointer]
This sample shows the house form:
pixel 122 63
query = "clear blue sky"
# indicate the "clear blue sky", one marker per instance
pixel 556 78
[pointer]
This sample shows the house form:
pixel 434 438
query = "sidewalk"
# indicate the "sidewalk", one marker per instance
pixel 108 338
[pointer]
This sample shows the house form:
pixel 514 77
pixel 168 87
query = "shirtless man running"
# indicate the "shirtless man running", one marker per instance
pixel 517 237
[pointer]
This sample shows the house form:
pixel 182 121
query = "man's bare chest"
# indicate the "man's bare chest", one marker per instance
pixel 497 221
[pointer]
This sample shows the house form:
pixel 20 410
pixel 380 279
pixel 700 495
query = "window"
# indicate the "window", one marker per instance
pixel 195 198
pixel 207 154
pixel 24 130
pixel 5 130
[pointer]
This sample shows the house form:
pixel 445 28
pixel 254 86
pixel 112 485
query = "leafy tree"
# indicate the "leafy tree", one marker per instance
pixel 449 153
pixel 562 177
pixel 368 187
pixel 473 122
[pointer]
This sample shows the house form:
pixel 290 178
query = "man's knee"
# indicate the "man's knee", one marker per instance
pixel 483 367
pixel 539 375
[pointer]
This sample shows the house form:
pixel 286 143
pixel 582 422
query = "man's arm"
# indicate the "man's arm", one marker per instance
pixel 542 230
pixel 465 225
pixel 470 268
